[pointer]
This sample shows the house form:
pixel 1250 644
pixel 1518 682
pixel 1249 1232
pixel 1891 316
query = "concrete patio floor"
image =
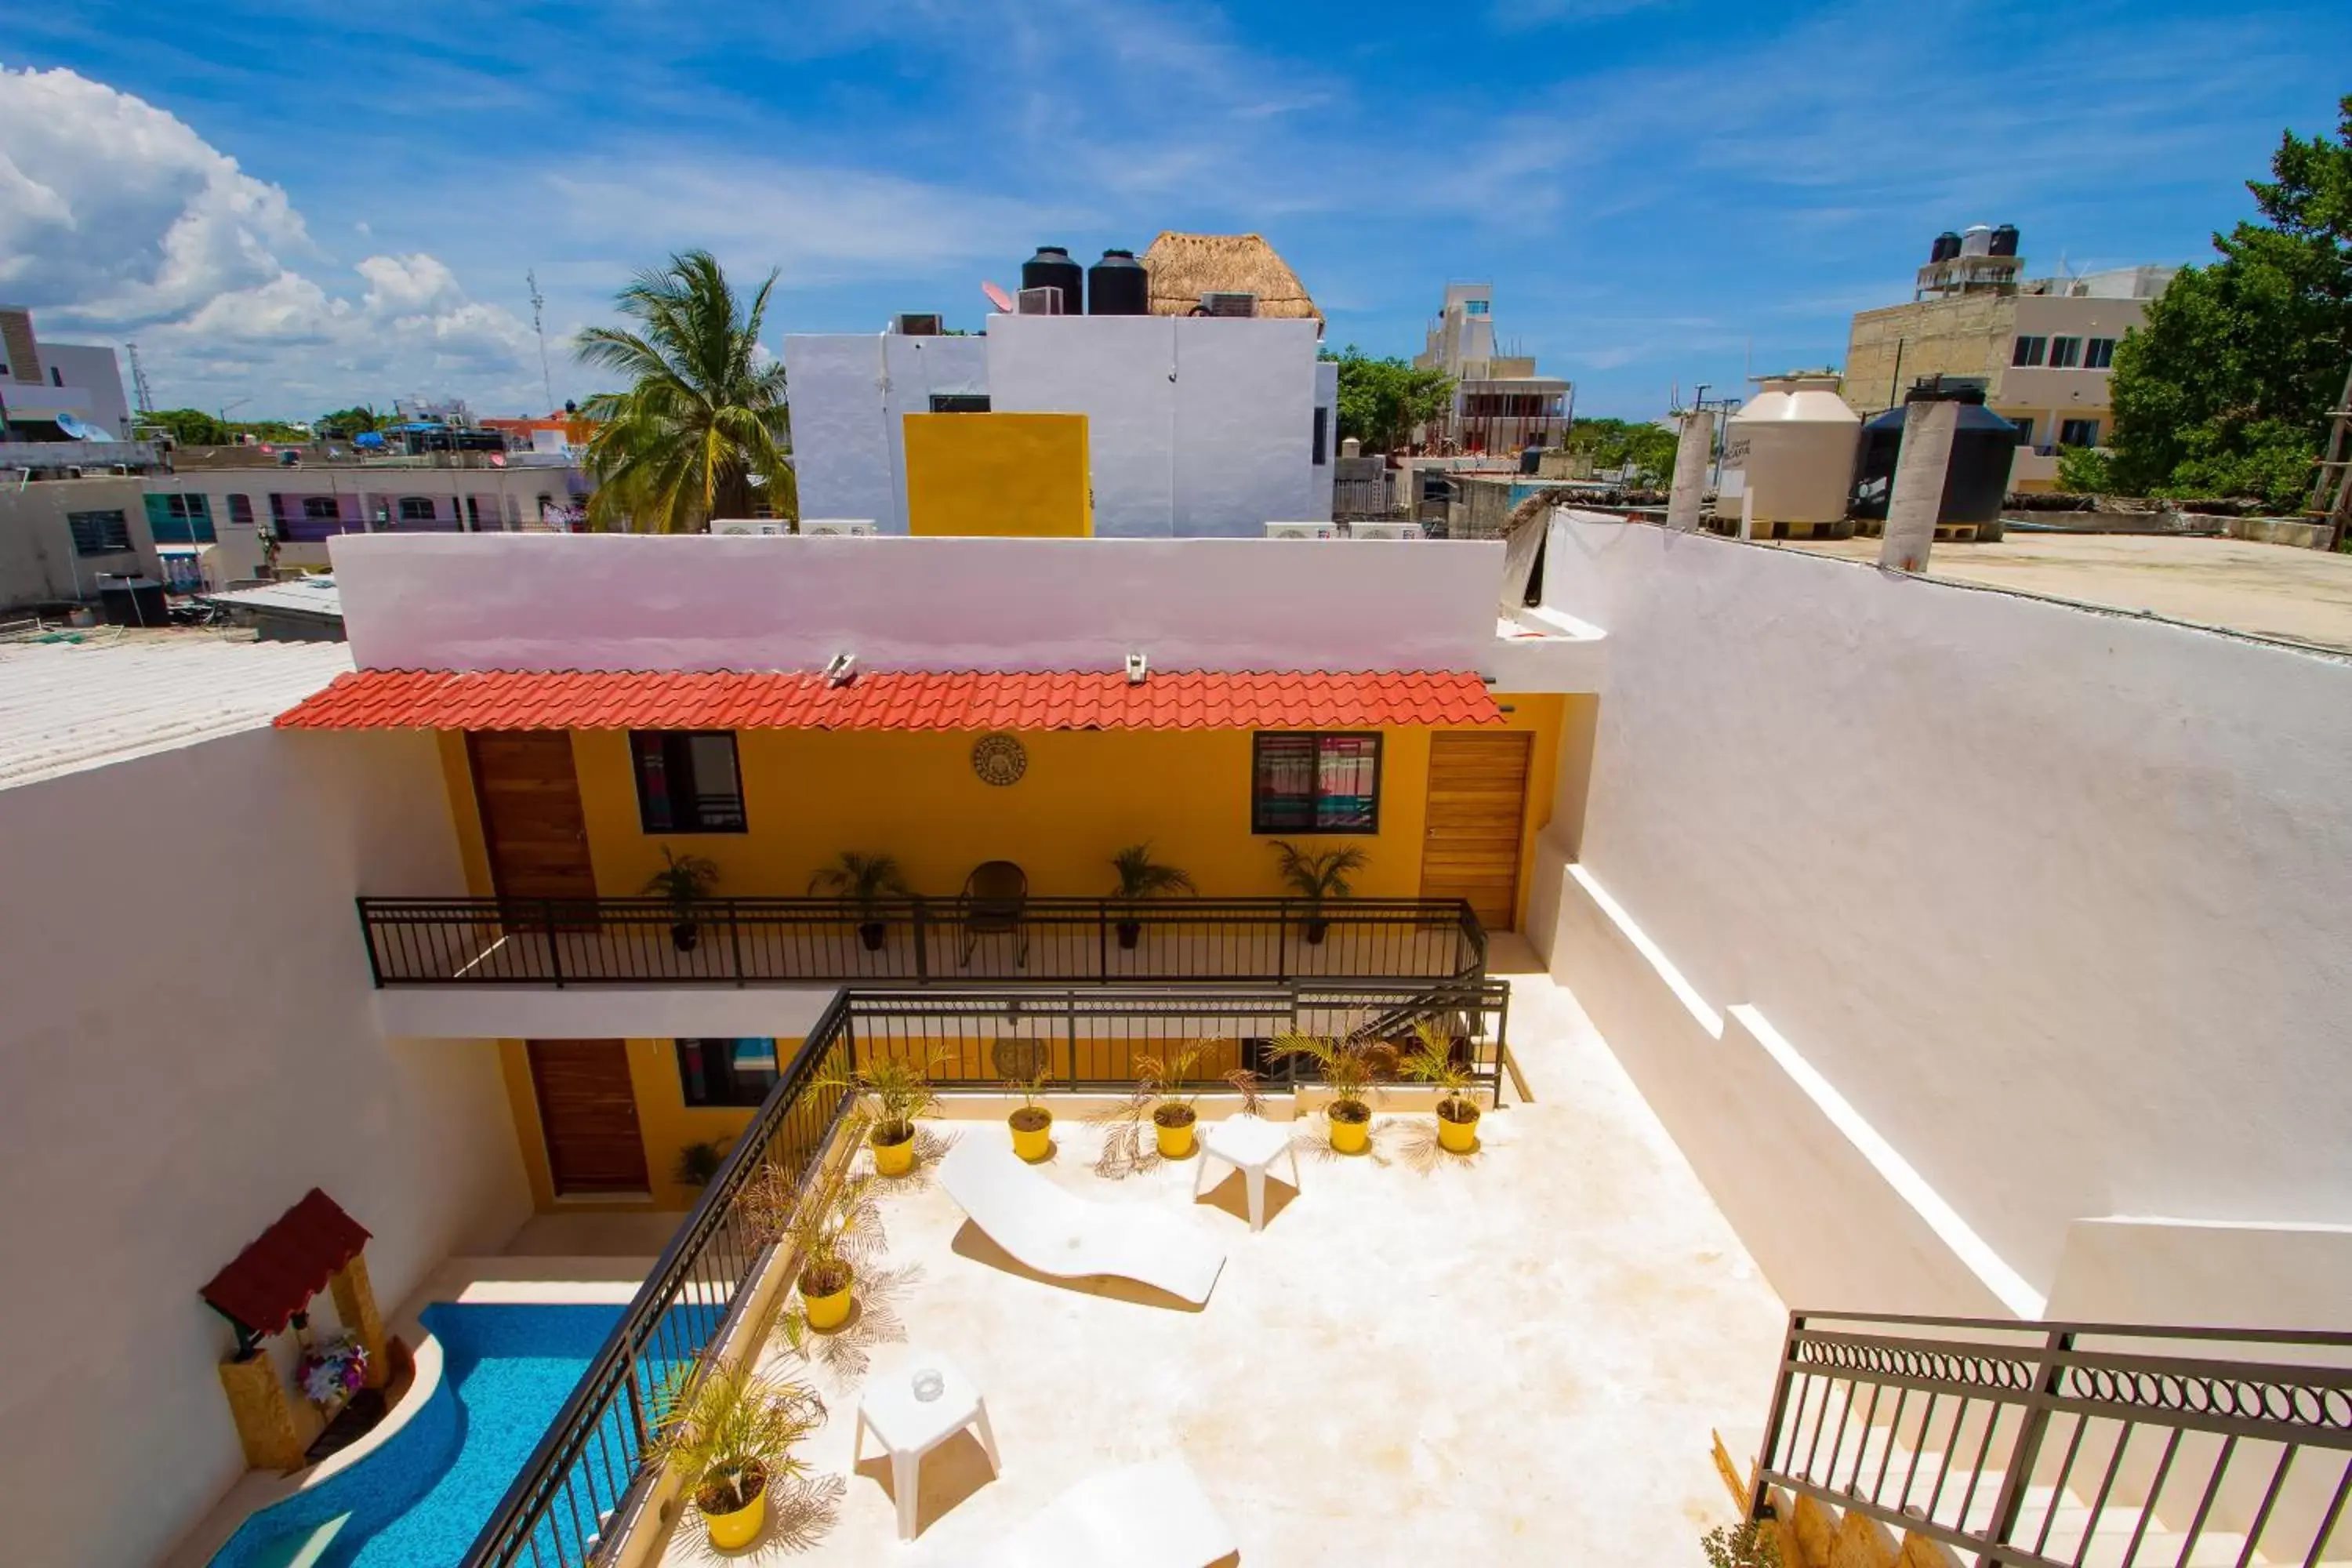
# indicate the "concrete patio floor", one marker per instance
pixel 1514 1357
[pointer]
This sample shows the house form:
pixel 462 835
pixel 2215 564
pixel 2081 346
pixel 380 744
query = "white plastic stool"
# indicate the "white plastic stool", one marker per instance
pixel 910 1426
pixel 1250 1144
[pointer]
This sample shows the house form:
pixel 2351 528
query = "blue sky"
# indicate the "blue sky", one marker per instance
pixel 305 204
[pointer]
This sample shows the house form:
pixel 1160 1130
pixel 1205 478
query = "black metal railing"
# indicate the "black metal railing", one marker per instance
pixel 2068 1445
pixel 744 941
pixel 590 1473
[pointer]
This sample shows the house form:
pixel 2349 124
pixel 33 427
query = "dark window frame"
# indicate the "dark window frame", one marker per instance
pixel 83 525
pixel 2030 351
pixel 2065 353
pixel 959 402
pixel 676 754
pixel 240 510
pixel 1320 739
pixel 2078 427
pixel 416 509
pixel 333 512
pixel 2098 353
pixel 707 1078
pixel 1322 436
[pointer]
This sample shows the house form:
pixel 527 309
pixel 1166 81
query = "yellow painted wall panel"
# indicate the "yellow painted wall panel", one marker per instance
pixel 1003 475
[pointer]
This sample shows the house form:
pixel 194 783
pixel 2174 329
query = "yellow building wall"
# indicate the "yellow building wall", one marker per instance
pixel 998 474
pixel 810 794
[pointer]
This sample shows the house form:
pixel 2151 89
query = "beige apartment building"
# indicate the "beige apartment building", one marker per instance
pixel 2042 348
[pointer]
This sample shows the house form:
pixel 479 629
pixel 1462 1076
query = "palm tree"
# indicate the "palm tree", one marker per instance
pixel 703 425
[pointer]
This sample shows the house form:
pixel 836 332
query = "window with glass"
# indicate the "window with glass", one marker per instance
pixel 416 509
pixel 240 510
pixel 2025 422
pixel 320 508
pixel 99 533
pixel 718 1071
pixel 1315 784
pixel 687 780
pixel 2098 353
pixel 2065 353
pixel 2029 351
pixel 2078 433
pixel 1322 436
pixel 959 403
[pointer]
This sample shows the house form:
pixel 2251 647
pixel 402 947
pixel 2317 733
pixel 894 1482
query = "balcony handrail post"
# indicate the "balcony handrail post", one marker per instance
pixel 922 941
pixel 735 938
pixel 2027 1448
pixel 554 955
pixel 367 931
pixel 1760 1505
pixel 636 1406
pixel 1102 939
pixel 1282 942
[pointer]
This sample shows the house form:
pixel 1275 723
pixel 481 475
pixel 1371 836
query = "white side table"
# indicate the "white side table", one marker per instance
pixel 910 1426
pixel 1250 1144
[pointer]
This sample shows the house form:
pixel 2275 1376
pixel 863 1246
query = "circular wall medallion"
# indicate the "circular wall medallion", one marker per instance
pixel 998 759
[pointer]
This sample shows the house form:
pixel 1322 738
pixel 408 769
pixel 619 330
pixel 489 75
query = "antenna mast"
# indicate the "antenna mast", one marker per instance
pixel 146 400
pixel 538 306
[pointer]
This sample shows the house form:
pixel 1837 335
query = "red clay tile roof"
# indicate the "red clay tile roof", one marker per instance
pixel 287 1265
pixel 889 699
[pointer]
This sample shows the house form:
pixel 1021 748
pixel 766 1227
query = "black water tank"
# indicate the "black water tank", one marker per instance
pixel 2004 240
pixel 131 602
pixel 1052 267
pixel 1119 286
pixel 1978 479
pixel 1946 245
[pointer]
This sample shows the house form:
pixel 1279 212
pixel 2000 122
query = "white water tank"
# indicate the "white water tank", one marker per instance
pixel 1799 437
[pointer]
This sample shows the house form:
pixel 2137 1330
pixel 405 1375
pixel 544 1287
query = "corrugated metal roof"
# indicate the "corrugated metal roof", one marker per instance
pixel 892 700
pixel 316 595
pixel 66 706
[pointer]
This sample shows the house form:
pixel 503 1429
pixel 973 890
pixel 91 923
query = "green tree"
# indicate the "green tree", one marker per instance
pixel 1623 443
pixel 2222 390
pixel 348 422
pixel 190 427
pixel 1381 400
pixel 703 425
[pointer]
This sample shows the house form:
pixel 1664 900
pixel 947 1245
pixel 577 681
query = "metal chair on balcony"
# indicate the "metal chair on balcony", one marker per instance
pixel 995 896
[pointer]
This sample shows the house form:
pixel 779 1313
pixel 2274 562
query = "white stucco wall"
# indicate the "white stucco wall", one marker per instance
pixel 850 393
pixel 2054 900
pixel 1327 403
pixel 700 602
pixel 190 1044
pixel 94 369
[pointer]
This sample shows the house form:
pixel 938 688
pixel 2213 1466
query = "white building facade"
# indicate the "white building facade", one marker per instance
pixel 1196 426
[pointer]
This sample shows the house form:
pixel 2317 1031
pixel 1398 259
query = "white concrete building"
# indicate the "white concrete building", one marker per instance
pixel 1195 426
pixel 40 380
pixel 1500 402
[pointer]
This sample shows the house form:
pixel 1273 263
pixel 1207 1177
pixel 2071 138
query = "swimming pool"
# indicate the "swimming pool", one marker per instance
pixel 424 1496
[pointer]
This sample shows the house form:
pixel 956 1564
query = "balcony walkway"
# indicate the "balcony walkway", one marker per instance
pixel 1514 1358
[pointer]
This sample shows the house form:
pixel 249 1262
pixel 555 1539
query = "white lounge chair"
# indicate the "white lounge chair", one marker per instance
pixel 1151 1515
pixel 1057 1232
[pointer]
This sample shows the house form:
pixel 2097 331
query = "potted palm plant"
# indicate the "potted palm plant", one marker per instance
pixel 684 882
pixel 1318 876
pixel 1167 1096
pixel 865 880
pixel 834 1229
pixel 900 1090
pixel 1031 1123
pixel 1434 1062
pixel 1350 1071
pixel 1141 878
pixel 732 1432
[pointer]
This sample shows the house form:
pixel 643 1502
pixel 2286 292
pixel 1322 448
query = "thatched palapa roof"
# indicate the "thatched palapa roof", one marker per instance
pixel 1186 266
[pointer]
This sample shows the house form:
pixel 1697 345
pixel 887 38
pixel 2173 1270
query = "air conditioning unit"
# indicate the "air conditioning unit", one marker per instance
pixel 1302 530
pixel 736 529
pixel 1385 530
pixel 773 530
pixel 1228 302
pixel 1038 302
pixel 839 527
pixel 916 325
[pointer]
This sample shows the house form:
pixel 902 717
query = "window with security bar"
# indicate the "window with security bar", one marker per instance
pixel 687 780
pixel 1315 784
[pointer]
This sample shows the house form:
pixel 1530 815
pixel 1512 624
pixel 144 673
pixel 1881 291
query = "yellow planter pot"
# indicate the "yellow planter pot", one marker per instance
pixel 827 1312
pixel 1351 1137
pixel 1457 1137
pixel 1175 1142
pixel 1033 1144
pixel 894 1159
pixel 733 1532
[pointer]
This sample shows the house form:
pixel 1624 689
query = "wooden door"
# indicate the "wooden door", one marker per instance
pixel 1477 801
pixel 532 825
pixel 588 1115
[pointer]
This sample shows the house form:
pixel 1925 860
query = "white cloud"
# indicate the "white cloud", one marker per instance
pixel 118 219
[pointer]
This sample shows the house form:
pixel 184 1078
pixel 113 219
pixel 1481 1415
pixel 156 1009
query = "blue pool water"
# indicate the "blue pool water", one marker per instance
pixel 421 1498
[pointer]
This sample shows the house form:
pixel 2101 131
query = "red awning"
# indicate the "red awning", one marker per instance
pixel 890 700
pixel 287 1265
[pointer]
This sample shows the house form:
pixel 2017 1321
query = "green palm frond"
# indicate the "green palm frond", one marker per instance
pixel 703 430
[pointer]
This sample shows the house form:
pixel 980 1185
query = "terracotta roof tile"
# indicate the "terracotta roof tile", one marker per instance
pixel 288 1264
pixel 890 700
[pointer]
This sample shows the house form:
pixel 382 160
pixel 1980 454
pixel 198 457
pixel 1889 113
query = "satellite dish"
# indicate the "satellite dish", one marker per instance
pixel 76 430
pixel 998 297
